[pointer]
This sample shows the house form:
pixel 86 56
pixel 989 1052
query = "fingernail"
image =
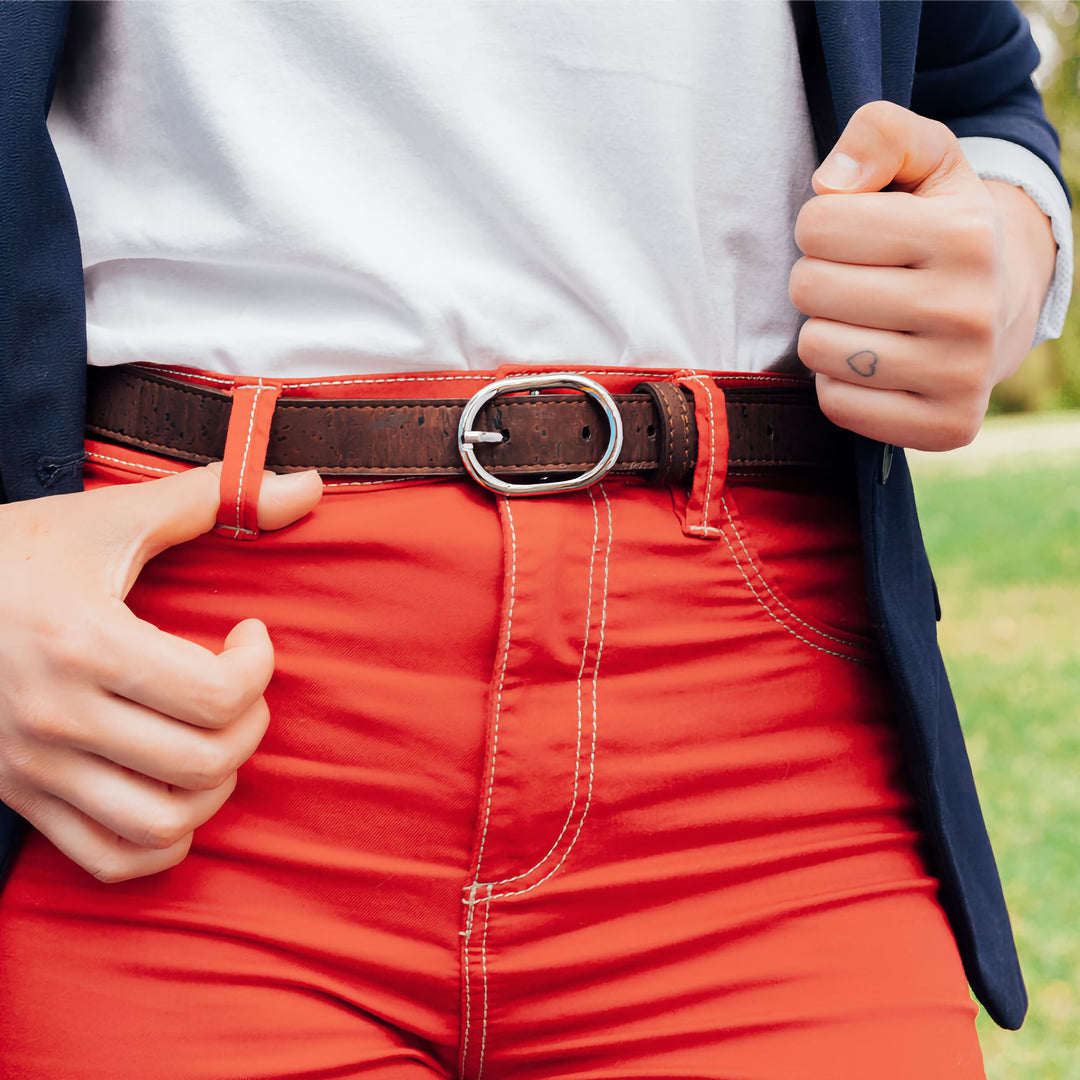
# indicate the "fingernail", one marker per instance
pixel 839 171
pixel 287 481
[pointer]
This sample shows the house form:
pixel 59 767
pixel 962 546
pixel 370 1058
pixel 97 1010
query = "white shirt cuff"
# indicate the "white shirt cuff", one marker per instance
pixel 998 159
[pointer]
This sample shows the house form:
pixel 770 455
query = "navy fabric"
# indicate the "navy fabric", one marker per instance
pixel 971 58
pixel 42 314
pixel 972 74
pixel 904 607
pixel 852 42
pixel 967 64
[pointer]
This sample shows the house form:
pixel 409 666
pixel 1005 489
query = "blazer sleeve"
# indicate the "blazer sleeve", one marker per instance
pixel 973 69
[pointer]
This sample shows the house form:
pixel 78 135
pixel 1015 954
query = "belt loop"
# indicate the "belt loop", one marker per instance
pixel 245 456
pixel 701 512
pixel 676 431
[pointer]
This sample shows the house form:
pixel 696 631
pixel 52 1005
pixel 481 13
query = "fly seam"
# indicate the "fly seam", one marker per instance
pixel 592 751
pixel 581 672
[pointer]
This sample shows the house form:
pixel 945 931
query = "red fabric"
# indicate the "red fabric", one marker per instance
pixel 552 789
pixel 245 453
pixel 701 506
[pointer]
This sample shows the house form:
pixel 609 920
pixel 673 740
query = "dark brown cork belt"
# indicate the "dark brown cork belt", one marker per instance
pixel 771 428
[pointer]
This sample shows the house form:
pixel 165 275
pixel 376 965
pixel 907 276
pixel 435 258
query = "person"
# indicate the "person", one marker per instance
pixel 632 780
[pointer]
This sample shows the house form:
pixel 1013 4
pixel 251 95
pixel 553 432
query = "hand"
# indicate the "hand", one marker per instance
pixel 117 739
pixel 922 297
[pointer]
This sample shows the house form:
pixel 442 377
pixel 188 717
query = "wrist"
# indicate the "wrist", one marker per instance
pixel 1028 254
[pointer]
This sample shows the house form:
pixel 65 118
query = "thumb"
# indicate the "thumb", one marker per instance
pixel 172 510
pixel 178 508
pixel 138 521
pixel 884 144
pixel 286 497
pixel 283 497
pixel 252 651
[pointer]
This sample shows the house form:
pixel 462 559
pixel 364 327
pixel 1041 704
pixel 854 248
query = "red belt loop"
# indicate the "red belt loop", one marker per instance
pixel 701 513
pixel 245 457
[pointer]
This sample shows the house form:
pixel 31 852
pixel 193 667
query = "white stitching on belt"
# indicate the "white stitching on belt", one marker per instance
pixel 476 377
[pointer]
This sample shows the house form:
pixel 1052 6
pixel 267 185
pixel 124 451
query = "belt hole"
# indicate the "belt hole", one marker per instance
pixel 651 431
pixel 586 434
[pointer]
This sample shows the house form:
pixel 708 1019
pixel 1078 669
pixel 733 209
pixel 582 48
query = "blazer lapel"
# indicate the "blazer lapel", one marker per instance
pixel 869 51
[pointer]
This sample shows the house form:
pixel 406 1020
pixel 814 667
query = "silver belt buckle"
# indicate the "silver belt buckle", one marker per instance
pixel 467 438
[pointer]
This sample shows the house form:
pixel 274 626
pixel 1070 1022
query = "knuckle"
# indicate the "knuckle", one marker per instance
pixel 971 382
pixel 71 642
pixel 943 131
pixel 23 776
pixel 260 715
pixel 885 119
pixel 111 867
pixel 208 768
pixel 168 825
pixel 973 237
pixel 928 307
pixel 800 285
pixel 115 865
pixel 43 723
pixel 811 346
pixel 20 796
pixel 974 317
pixel 831 401
pixel 812 224
pixel 966 311
pixel 877 113
pixel 220 699
pixel 960 426
pixel 161 835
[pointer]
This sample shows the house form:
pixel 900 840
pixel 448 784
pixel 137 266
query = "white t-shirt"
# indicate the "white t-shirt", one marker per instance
pixel 324 188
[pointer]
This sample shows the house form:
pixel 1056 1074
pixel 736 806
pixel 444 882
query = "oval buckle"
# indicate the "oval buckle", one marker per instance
pixel 467 438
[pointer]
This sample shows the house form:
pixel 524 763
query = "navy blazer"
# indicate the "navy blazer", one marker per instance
pixel 965 63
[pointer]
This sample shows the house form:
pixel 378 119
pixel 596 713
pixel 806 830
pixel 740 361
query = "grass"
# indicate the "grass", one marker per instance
pixel 1005 546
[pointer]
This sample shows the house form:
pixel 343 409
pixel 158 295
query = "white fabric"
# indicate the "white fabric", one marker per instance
pixel 325 188
pixel 995 159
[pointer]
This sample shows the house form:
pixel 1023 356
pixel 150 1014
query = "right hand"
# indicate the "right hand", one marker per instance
pixel 116 738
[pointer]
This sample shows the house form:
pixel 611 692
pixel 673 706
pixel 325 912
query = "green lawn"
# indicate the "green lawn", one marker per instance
pixel 1005 546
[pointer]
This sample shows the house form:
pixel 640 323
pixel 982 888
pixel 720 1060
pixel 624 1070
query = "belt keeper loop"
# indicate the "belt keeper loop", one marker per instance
pixel 676 431
pixel 245 458
pixel 704 502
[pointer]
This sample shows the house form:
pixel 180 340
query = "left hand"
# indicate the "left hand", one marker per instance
pixel 922 297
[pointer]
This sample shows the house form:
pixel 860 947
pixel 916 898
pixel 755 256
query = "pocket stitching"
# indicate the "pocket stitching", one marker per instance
pixel 854 646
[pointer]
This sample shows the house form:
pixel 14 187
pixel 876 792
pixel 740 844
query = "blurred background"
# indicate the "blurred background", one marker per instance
pixel 1002 524
pixel 1050 378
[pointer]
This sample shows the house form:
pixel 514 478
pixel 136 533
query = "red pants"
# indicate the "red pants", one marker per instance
pixel 589 785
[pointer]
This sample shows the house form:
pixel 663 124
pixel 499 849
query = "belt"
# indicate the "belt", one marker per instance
pixel 771 428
